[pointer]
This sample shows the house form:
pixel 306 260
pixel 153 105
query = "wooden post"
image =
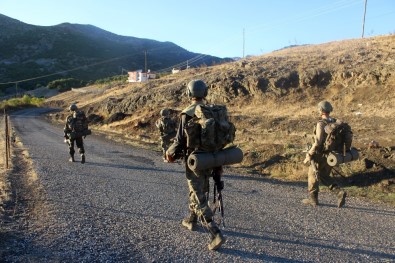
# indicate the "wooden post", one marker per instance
pixel 6 140
pixel 9 137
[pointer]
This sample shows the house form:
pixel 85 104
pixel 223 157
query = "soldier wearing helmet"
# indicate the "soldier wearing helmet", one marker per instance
pixel 198 181
pixel 167 129
pixel 319 169
pixel 71 135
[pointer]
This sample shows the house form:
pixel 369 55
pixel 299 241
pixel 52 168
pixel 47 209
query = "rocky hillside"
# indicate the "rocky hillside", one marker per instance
pixel 82 52
pixel 272 100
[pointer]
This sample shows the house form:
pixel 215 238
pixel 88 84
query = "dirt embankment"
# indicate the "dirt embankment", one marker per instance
pixel 272 100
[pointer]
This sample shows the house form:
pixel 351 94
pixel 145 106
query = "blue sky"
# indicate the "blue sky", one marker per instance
pixel 216 27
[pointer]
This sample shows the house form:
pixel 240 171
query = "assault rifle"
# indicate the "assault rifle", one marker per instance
pixel 218 187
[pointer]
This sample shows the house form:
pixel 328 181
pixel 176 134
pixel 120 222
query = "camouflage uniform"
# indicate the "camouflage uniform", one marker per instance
pixel 198 181
pixel 70 141
pixel 319 169
pixel 167 129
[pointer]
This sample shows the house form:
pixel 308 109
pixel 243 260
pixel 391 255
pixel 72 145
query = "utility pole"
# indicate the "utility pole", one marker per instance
pixel 243 41
pixel 363 21
pixel 145 55
pixel 16 89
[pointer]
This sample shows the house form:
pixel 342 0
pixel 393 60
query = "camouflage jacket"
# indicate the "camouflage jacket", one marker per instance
pixel 178 148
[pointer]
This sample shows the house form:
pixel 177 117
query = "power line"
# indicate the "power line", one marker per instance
pixel 64 71
pixel 312 13
pixel 194 59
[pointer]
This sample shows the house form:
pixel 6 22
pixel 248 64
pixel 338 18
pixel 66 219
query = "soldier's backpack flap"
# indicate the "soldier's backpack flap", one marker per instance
pixel 168 126
pixel 80 124
pixel 214 130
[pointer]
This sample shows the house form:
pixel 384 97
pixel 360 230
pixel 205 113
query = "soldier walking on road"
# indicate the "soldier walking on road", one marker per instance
pixel 167 129
pixel 319 169
pixel 75 128
pixel 198 181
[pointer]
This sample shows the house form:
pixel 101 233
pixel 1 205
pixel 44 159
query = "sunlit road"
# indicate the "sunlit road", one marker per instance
pixel 125 205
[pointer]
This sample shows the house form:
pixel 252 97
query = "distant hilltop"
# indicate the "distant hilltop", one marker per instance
pixel 82 52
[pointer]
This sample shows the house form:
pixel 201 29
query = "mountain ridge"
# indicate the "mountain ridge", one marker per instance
pixel 28 51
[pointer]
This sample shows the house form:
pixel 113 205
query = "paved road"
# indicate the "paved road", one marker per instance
pixel 125 205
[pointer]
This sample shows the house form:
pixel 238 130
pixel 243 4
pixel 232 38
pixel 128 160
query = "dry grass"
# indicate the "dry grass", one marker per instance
pixel 272 125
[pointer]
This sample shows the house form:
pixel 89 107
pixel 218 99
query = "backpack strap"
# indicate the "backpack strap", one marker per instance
pixel 190 110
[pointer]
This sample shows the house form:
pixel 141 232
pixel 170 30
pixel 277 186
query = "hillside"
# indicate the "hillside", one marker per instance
pixel 83 52
pixel 272 100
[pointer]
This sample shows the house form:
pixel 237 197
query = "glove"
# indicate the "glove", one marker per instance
pixel 307 160
pixel 170 158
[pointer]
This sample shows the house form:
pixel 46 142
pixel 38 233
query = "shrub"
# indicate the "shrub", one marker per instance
pixel 24 102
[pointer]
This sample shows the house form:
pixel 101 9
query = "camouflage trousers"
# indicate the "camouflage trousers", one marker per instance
pixel 323 176
pixel 198 183
pixel 165 142
pixel 80 145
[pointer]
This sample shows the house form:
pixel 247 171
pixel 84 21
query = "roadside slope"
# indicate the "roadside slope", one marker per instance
pixel 272 100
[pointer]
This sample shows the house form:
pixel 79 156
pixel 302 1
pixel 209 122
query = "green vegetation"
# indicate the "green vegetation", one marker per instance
pixel 111 80
pixel 24 102
pixel 66 84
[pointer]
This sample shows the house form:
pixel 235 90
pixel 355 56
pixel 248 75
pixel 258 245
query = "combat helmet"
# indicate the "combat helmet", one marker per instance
pixel 197 89
pixel 73 107
pixel 164 112
pixel 325 106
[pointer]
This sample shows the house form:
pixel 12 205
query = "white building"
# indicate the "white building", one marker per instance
pixel 140 76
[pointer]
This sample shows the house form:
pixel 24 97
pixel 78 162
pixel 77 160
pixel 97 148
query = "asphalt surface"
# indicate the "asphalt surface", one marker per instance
pixel 125 205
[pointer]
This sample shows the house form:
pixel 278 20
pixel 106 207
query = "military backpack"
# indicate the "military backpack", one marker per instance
pixel 210 129
pixel 168 126
pixel 339 137
pixel 79 124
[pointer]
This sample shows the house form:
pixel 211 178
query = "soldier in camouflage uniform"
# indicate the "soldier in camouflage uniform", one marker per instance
pixel 167 129
pixel 198 181
pixel 68 129
pixel 319 169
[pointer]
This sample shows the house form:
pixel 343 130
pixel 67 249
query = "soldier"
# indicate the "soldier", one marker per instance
pixel 198 181
pixel 167 129
pixel 319 170
pixel 72 132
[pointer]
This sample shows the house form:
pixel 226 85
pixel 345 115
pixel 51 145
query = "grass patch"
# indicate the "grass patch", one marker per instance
pixel 372 193
pixel 25 101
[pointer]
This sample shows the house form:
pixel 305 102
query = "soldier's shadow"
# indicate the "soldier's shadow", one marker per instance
pixel 131 167
pixel 367 178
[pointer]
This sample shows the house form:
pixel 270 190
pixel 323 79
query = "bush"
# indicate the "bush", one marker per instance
pixel 24 102
pixel 119 78
pixel 66 84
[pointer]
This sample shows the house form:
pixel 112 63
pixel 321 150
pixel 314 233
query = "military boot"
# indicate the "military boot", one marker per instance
pixel 190 222
pixel 82 158
pixel 341 199
pixel 312 200
pixel 71 159
pixel 217 239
